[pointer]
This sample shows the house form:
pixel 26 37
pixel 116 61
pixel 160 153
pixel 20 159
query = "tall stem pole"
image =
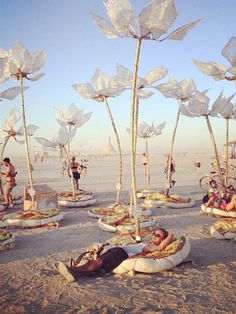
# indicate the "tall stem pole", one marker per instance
pixel 69 141
pixel 148 167
pixel 132 133
pixel 62 147
pixel 136 124
pixel 26 144
pixel 25 135
pixel 172 144
pixel 215 149
pixel 227 152
pixel 119 185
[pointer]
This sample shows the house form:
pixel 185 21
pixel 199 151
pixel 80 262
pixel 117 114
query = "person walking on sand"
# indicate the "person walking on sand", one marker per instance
pixel 113 257
pixel 145 163
pixel 10 174
pixel 75 168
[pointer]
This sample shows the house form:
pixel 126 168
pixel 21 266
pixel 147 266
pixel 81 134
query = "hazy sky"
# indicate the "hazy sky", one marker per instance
pixel 75 48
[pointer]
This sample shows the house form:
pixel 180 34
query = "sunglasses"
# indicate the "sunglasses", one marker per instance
pixel 157 235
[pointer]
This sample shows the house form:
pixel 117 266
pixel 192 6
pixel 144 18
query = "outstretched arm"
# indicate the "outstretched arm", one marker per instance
pixel 166 242
pixel 161 246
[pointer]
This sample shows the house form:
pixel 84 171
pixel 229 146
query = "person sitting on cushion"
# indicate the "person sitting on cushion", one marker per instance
pixel 113 257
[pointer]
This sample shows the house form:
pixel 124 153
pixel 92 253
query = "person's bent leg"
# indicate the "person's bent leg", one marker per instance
pixel 105 262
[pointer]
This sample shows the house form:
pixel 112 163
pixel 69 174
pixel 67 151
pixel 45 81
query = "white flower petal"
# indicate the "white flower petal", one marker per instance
pixel 20 131
pixel 187 88
pixel 84 119
pixel 134 28
pixel 104 26
pixel 157 17
pixel 62 137
pixel 229 52
pixel 38 60
pixel 43 141
pixel 36 77
pixel 198 104
pixel 123 75
pixel 144 94
pixel 185 111
pixel 12 92
pixel 155 74
pixel 119 12
pixel 100 80
pixel 217 105
pixel 181 32
pixel 85 90
pixel 227 112
pixel 169 90
pixel 30 129
pixel 20 56
pixel 216 70
pixel 13 117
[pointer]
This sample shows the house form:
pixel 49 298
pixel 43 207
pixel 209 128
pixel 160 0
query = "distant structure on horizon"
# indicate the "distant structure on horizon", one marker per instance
pixel 108 148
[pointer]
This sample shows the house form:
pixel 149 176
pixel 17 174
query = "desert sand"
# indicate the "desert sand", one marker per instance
pixel 205 283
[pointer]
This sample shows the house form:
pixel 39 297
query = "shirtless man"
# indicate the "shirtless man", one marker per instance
pixel 10 174
pixel 113 257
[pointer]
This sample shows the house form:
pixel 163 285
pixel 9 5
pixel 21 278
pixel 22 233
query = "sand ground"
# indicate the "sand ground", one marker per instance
pixel 204 284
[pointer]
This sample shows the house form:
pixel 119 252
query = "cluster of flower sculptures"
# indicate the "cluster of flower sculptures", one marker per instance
pixel 152 23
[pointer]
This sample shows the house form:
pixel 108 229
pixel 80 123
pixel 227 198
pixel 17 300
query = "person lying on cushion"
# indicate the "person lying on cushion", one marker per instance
pixel 113 257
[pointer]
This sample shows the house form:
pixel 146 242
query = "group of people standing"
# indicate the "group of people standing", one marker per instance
pixel 10 173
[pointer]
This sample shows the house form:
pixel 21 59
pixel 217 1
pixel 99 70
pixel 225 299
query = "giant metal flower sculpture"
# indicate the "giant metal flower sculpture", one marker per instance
pixel 199 106
pixel 146 131
pixel 17 63
pixel 152 23
pixel 8 127
pixel 220 71
pixel 72 117
pixel 181 91
pixel 60 140
pixel 13 117
pixel 100 88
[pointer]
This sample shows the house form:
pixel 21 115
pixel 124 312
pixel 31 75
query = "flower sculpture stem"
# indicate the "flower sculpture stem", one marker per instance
pixel 215 149
pixel 172 147
pixel 119 185
pixel 136 124
pixel 227 152
pixel 148 167
pixel 69 141
pixel 26 141
pixel 132 133
pixel 62 147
